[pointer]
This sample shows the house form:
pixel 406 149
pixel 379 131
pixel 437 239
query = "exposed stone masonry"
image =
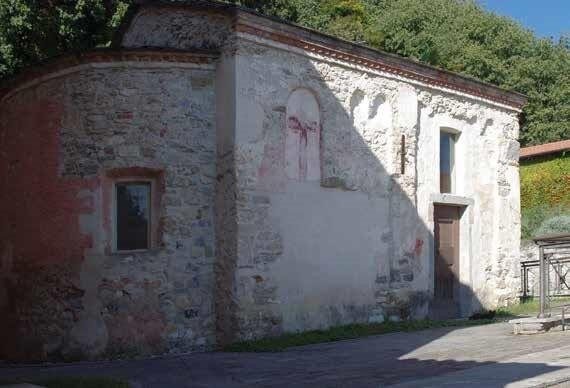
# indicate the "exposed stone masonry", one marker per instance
pixel 150 302
pixel 293 189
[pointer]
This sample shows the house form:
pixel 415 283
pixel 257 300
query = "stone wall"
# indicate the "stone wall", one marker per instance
pixel 63 140
pixel 356 245
pixel 177 28
pixel 295 190
pixel 486 173
pixel 293 251
pixel 347 246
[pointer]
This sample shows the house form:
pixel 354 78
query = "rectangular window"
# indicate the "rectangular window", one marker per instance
pixel 132 215
pixel 446 162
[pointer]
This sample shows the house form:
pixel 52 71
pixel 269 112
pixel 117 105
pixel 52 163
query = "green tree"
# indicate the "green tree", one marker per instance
pixel 460 36
pixel 34 30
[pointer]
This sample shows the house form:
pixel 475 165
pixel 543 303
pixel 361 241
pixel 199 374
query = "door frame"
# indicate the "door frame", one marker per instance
pixel 467 302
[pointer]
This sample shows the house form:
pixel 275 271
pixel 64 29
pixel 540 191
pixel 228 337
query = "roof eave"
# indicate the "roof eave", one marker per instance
pixel 409 67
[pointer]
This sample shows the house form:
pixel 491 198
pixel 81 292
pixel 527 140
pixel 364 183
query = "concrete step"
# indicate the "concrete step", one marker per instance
pixel 534 325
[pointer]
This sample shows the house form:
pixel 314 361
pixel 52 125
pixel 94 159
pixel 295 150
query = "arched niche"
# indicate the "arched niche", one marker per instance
pixel 303 135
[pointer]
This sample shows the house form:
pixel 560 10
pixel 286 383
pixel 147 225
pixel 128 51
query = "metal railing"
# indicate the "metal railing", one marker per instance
pixel 558 278
pixel 564 309
pixel 553 263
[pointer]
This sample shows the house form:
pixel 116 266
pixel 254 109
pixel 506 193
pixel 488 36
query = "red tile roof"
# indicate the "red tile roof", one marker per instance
pixel 545 149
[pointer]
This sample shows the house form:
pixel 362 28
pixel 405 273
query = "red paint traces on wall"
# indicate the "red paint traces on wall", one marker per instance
pixel 418 247
pixel 125 115
pixel 307 151
pixel 39 209
pixel 303 129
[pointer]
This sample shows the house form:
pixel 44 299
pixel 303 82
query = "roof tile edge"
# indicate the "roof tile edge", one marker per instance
pixel 103 55
pixel 545 149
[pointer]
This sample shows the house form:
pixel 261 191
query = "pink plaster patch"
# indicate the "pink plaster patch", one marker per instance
pixel 418 247
pixel 270 173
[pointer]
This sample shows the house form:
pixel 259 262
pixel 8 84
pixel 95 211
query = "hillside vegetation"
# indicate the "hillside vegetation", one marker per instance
pixel 457 35
pixel 545 195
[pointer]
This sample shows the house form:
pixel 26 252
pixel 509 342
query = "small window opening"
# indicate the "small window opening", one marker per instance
pixel 132 219
pixel 446 162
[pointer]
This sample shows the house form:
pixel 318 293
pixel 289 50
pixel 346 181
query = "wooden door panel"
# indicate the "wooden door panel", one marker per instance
pixel 446 235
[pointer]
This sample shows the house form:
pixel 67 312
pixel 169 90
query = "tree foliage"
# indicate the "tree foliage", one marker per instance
pixel 34 30
pixel 457 35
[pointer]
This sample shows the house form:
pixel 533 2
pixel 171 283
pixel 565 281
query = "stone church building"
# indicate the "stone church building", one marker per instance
pixel 219 176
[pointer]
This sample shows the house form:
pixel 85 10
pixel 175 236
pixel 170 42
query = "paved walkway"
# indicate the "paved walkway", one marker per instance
pixel 483 356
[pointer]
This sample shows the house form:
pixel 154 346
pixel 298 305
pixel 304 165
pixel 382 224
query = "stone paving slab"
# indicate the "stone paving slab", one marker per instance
pixel 540 369
pixel 485 356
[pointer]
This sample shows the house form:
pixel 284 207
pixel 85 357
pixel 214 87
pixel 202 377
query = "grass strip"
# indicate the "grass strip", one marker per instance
pixel 338 333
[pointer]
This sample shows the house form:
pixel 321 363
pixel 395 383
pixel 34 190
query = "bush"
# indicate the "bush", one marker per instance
pixel 545 181
pixel 555 225
pixel 533 218
pixel 544 194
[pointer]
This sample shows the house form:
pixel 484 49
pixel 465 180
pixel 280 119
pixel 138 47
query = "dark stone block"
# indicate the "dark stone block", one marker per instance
pixel 261 200
pixel 201 82
pixel 381 279
pixel 395 276
pixel 265 258
pixel 408 277
pixel 191 313
pixel 335 183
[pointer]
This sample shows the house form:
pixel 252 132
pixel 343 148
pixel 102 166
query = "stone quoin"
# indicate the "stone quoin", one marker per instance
pixel 219 176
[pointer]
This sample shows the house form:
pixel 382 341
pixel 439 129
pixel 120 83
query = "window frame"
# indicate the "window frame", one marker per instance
pixel 151 235
pixel 454 138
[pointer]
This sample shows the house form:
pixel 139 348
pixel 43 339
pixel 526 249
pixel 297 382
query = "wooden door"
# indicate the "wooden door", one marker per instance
pixel 446 274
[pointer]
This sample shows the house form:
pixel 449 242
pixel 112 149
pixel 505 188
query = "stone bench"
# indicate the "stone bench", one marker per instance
pixel 534 325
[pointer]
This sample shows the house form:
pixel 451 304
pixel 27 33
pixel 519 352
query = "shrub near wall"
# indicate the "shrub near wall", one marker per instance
pixel 545 191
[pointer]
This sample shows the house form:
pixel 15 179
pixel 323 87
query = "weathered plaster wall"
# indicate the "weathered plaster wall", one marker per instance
pixel 345 245
pixel 487 173
pixel 62 141
pixel 226 221
pixel 357 243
